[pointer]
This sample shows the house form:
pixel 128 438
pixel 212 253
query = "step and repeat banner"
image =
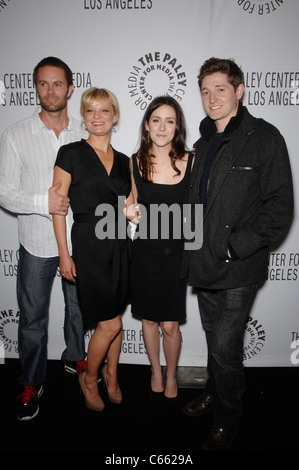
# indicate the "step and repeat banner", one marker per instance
pixel 139 49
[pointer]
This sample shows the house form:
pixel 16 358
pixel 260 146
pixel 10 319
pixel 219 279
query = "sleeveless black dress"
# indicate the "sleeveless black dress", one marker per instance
pixel 102 265
pixel 157 291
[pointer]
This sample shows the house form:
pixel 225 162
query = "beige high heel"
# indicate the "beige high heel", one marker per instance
pixel 114 397
pixel 95 404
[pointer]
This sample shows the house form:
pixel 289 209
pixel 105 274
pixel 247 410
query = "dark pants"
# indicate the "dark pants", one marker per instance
pixel 34 285
pixel 224 314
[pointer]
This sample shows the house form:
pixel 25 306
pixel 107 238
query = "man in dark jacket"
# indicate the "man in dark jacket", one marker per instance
pixel 242 177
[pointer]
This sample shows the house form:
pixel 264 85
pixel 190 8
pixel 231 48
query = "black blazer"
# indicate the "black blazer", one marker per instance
pixel 249 205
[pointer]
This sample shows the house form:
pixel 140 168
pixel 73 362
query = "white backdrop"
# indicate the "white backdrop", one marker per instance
pixel 139 49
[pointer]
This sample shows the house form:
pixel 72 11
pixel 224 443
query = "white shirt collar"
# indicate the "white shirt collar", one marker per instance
pixel 38 125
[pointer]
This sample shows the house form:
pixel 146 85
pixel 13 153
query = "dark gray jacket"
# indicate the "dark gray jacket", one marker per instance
pixel 249 206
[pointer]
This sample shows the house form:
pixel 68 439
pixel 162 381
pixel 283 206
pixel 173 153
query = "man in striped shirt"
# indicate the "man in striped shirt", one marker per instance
pixel 27 155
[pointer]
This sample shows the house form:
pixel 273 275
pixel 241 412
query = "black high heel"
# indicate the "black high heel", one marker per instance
pixel 172 400
pixel 157 395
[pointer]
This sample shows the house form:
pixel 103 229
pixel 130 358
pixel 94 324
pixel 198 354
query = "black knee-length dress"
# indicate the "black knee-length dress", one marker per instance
pixel 157 291
pixel 102 265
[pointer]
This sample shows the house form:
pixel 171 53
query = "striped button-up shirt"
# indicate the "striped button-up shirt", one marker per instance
pixel 28 152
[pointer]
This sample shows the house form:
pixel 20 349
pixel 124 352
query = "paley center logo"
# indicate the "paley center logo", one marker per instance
pixel 9 320
pixel 156 73
pixel 254 338
pixel 260 7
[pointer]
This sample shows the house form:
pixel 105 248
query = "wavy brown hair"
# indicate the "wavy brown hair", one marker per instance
pixel 234 73
pixel 178 148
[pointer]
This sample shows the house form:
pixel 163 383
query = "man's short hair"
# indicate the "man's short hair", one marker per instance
pixel 228 66
pixel 54 62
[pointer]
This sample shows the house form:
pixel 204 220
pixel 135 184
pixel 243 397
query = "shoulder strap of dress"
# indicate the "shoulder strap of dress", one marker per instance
pixel 135 164
pixel 136 171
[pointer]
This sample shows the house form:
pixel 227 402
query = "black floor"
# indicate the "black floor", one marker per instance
pixel 142 424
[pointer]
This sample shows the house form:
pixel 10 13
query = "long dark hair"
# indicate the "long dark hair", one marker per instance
pixel 178 149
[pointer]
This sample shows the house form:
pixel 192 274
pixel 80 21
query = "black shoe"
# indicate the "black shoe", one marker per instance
pixel 75 367
pixel 171 401
pixel 156 395
pixel 200 406
pixel 27 402
pixel 219 439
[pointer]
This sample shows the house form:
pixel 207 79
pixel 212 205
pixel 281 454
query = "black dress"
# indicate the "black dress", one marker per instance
pixel 157 291
pixel 102 265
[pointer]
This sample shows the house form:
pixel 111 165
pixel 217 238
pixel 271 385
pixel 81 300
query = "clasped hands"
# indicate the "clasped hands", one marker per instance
pixel 58 204
pixel 132 212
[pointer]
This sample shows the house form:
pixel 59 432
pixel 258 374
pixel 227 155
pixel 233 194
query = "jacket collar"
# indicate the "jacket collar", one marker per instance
pixel 244 124
pixel 208 128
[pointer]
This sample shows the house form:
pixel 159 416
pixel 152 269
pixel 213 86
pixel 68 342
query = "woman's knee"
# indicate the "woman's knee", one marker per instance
pixel 149 325
pixel 170 328
pixel 116 325
pixel 111 327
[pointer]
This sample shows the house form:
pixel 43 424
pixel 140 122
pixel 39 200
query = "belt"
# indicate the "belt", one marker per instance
pixel 90 217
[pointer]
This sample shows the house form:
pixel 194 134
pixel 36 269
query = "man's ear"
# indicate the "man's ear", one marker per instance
pixel 240 91
pixel 70 90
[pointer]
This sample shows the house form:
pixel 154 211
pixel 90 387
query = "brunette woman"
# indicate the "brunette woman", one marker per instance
pixel 160 175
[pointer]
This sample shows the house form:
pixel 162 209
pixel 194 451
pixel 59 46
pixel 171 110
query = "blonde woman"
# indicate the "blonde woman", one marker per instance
pixel 92 173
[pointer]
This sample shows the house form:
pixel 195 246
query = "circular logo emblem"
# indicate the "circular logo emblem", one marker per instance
pixel 254 339
pixel 9 320
pixel 260 7
pixel 156 73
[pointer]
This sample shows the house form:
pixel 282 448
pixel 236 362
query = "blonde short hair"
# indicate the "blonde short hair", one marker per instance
pixel 93 96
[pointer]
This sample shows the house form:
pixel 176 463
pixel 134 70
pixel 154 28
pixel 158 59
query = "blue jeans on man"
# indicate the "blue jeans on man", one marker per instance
pixel 34 284
pixel 224 314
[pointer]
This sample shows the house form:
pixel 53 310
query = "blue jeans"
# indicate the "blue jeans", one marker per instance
pixel 224 314
pixel 34 284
